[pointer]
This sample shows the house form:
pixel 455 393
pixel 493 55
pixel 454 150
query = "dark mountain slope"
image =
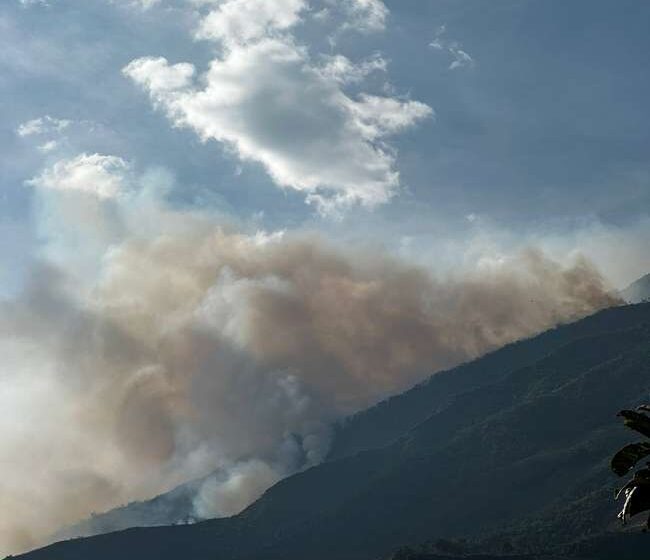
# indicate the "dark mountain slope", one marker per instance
pixel 503 464
pixel 519 455
pixel 391 418
pixel 170 508
pixel 607 547
pixel 383 423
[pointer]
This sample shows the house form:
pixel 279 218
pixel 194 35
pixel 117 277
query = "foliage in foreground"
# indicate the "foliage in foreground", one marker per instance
pixel 637 490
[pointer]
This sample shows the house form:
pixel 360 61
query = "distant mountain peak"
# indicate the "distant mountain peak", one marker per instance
pixel 638 291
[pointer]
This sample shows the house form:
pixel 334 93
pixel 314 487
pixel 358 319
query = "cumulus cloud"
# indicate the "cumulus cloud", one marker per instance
pixel 269 100
pixel 200 348
pixel 243 21
pixel 100 175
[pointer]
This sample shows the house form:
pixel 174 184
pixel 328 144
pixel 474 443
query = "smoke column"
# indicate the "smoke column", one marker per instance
pixel 197 347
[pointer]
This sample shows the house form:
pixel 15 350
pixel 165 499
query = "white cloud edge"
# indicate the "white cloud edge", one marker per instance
pixel 460 57
pixel 104 176
pixel 42 125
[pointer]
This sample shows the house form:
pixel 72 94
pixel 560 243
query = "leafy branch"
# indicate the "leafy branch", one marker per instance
pixel 637 490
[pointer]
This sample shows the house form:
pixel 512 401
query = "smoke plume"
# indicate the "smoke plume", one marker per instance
pixel 197 347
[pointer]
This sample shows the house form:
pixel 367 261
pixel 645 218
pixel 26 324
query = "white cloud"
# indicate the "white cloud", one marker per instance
pixel 268 103
pixel 343 70
pixel 322 15
pixel 42 125
pixel 159 77
pixel 365 15
pixel 141 4
pixel 268 100
pixel 35 126
pixel 101 175
pixel 460 58
pixel 48 146
pixel 382 116
pixel 34 2
pixel 242 21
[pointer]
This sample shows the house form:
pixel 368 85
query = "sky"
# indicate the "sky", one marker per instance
pixel 308 186
pixel 526 119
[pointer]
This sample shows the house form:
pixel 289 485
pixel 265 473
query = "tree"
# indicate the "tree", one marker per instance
pixel 637 490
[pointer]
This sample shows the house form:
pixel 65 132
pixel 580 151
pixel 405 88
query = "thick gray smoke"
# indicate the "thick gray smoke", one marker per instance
pixel 196 347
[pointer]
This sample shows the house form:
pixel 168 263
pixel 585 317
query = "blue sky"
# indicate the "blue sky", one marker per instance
pixel 541 130
pixel 225 224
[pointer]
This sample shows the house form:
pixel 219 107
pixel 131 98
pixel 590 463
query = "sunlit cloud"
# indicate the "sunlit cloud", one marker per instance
pixel 100 175
pixel 271 102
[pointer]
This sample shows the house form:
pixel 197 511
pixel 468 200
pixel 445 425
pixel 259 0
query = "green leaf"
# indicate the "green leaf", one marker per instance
pixel 629 456
pixel 636 421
